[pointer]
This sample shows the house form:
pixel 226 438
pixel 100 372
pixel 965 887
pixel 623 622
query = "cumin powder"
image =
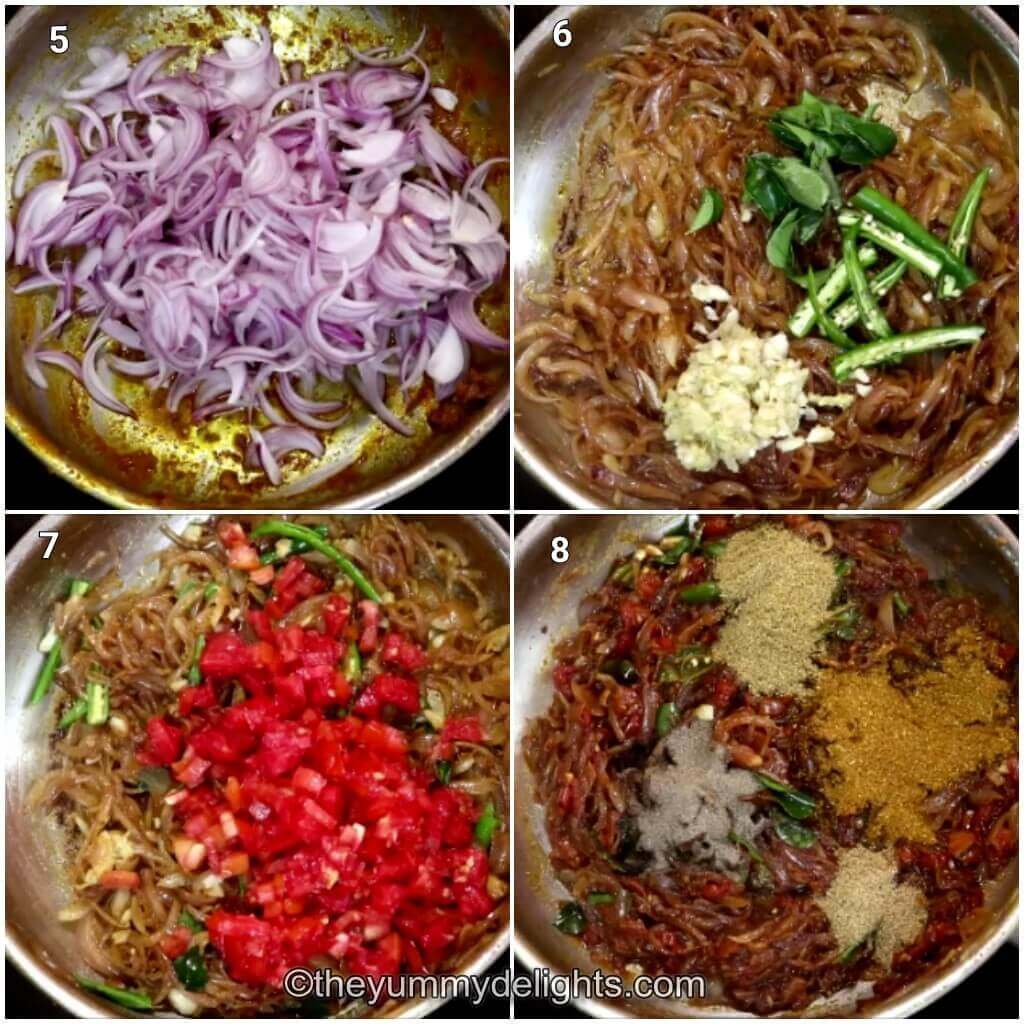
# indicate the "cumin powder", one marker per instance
pixel 780 586
pixel 864 904
pixel 888 748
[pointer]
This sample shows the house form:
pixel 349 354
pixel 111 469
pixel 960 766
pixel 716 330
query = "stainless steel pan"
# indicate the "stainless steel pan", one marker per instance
pixel 554 90
pixel 152 460
pixel 89 545
pixel 978 550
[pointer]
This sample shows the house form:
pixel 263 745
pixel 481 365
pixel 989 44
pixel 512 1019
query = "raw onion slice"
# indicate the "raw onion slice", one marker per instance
pixel 245 232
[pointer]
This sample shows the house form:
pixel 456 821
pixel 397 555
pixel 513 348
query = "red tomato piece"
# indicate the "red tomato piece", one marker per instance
pixel 164 743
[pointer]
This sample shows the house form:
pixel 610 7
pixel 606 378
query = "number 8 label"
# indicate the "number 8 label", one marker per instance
pixel 560 550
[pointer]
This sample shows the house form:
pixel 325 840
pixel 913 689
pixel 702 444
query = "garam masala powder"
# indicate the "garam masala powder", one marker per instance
pixel 887 747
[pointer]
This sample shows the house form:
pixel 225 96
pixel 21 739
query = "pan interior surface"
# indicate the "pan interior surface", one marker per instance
pixel 47 951
pixel 978 551
pixel 161 459
pixel 555 91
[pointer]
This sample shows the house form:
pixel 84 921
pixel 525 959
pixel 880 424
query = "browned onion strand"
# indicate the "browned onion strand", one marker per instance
pixel 683 110
pixel 146 638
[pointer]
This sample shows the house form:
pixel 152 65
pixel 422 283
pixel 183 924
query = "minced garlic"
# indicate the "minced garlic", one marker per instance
pixel 738 394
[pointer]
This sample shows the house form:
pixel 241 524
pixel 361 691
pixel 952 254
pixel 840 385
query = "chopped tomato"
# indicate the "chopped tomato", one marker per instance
pixel 647 585
pixel 244 557
pixel 466 728
pixel 400 652
pixel 196 697
pixel 369 612
pixel 262 576
pixel 175 942
pixel 163 744
pixel 389 690
pixel 231 534
pixel 716 526
pixel 225 656
pixel 347 847
pixel 564 676
pixel 960 841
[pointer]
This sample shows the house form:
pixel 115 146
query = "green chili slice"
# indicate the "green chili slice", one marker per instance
pixel 353 667
pixel 97 698
pixel 191 970
pixel 700 593
pixel 195 676
pixel 961 229
pixel 46 674
pixel 667 718
pixel 75 713
pixel 900 345
pixel 280 528
pixel 870 312
pixel 872 202
pixel 129 998
pixel 486 826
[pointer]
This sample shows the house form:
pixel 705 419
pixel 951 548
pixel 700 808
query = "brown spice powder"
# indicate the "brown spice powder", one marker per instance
pixel 781 586
pixel 889 748
pixel 864 902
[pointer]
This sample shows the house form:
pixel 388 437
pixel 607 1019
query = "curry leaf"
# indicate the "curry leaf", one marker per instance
pixel 816 127
pixel 762 188
pixel 780 242
pixel 794 802
pixel 571 920
pixel 806 186
pixel 708 212
pixel 791 832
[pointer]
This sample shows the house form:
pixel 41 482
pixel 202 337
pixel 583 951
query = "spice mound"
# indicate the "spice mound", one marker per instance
pixel 864 905
pixel 693 804
pixel 781 586
pixel 889 744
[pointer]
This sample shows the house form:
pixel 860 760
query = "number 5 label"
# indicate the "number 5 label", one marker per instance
pixel 58 41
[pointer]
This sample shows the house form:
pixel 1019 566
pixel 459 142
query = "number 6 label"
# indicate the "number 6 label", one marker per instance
pixel 560 550
pixel 562 35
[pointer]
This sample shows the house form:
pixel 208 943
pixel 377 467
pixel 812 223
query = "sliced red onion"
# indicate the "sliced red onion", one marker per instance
pixel 111 70
pixel 268 446
pixel 25 167
pixel 444 98
pixel 259 453
pixel 448 360
pixel 246 233
pixel 63 361
pixel 469 224
pixel 37 212
pixel 376 150
pixel 467 323
pixel 374 58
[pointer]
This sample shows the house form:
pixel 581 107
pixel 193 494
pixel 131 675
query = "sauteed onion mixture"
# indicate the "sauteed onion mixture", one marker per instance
pixel 288 748
pixel 781 756
pixel 786 274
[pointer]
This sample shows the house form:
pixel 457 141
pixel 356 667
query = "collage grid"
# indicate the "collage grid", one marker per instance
pixel 365 410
